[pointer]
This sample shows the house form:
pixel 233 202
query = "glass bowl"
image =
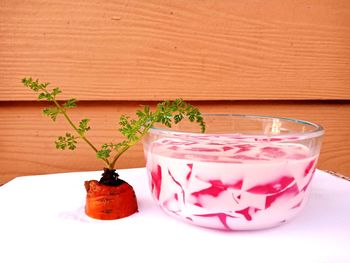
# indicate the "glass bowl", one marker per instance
pixel 246 172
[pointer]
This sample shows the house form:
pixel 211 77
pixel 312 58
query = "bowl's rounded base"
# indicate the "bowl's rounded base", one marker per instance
pixel 229 222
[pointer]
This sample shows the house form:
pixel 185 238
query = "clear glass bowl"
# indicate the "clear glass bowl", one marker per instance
pixel 246 172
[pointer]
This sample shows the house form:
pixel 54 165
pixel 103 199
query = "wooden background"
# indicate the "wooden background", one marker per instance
pixel 287 58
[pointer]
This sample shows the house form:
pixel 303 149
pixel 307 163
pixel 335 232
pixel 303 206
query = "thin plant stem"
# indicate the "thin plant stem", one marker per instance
pixel 76 129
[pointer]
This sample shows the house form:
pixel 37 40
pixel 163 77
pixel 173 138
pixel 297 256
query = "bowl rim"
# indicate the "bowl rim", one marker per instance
pixel 317 132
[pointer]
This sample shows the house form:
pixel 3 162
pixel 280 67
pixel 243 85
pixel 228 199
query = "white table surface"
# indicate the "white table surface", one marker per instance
pixel 42 220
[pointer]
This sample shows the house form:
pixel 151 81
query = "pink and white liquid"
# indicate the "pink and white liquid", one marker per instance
pixel 230 185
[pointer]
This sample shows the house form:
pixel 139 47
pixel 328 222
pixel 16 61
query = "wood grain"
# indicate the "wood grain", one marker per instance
pixel 153 50
pixel 26 137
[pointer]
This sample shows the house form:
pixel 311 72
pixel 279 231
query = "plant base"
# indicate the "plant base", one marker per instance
pixel 109 202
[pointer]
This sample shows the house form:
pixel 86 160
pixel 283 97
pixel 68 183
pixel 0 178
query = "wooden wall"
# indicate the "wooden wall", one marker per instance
pixel 288 58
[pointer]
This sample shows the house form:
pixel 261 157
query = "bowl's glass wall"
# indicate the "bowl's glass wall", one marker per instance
pixel 245 172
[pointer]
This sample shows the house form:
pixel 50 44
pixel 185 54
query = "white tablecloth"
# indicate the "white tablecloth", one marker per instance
pixel 42 220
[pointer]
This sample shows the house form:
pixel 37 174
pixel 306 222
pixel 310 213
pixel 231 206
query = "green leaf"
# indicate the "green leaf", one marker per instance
pixel 55 92
pixel 104 146
pixel 146 110
pixel 30 83
pixel 60 143
pixel 36 86
pixel 52 112
pixel 178 118
pixel 83 126
pixel 41 96
pixel 46 96
pixel 66 142
pixel 140 113
pixel 69 104
pixel 124 120
pixel 103 154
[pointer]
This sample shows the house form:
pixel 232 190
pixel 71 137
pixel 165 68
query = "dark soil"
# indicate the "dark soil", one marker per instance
pixel 110 178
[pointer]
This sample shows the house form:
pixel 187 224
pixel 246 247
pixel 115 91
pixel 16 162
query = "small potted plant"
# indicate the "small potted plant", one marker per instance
pixel 111 197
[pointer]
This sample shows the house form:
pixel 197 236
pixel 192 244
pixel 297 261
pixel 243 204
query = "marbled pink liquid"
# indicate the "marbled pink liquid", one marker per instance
pixel 231 185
